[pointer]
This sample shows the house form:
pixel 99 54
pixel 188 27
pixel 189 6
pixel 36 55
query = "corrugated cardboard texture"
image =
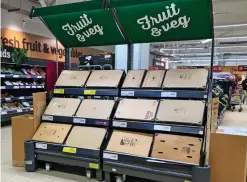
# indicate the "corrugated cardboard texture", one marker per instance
pixel 62 106
pixel 22 130
pixel 104 78
pixel 72 78
pixel 136 109
pixel 39 106
pixel 133 79
pixel 185 111
pixel 227 158
pixel 186 78
pixel 98 109
pixel 134 143
pixel 153 78
pixel 52 132
pixel 86 137
pixel 177 148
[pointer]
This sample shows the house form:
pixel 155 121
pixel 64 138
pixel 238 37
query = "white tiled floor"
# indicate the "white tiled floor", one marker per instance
pixel 18 174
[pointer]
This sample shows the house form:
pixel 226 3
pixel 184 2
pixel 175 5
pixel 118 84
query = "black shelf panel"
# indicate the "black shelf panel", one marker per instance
pixel 21 76
pixel 15 111
pixel 75 120
pixel 159 127
pixel 22 87
pixel 11 99
pixel 86 91
pixel 186 94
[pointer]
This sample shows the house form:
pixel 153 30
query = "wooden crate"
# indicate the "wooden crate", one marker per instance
pixel 153 79
pixel 133 79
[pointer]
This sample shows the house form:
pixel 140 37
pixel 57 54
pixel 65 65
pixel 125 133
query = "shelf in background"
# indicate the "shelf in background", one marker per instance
pixel 21 76
pixel 186 94
pixel 15 111
pixel 10 99
pixel 22 87
pixel 159 127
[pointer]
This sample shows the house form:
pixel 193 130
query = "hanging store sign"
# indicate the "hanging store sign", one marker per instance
pixel 242 68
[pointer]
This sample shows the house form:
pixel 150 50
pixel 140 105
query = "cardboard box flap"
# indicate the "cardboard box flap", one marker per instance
pixel 86 137
pixel 137 109
pixel 186 78
pixel 72 78
pixel 134 143
pixel 153 79
pixel 133 79
pixel 52 132
pixel 105 78
pixel 62 106
pixel 184 111
pixel 177 148
pixel 96 109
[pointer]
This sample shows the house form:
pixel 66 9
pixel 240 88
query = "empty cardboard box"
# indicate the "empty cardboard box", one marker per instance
pixel 186 78
pixel 183 111
pixel 86 137
pixel 96 109
pixel 62 106
pixel 72 78
pixel 136 109
pixel 177 148
pixel 133 79
pixel 134 143
pixel 52 132
pixel 153 79
pixel 105 78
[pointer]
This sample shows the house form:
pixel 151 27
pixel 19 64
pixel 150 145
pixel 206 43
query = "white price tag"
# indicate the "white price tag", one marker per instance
pixel 127 93
pixel 120 124
pixel 79 120
pixel 28 87
pixel 168 94
pixel 41 146
pixel 205 96
pixel 19 110
pixel 29 162
pixel 39 76
pixel 3 87
pixel 34 86
pixel 21 97
pixel 47 118
pixel 110 156
pixel 2 76
pixel 7 99
pixel 200 132
pixel 162 128
pixel 3 112
pixel 16 87
pixel 39 86
pixel 16 76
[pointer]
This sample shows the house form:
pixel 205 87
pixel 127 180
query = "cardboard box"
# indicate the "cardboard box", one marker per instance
pixel 97 109
pixel 153 79
pixel 52 132
pixel 177 148
pixel 133 79
pixel 215 113
pixel 186 78
pixel 86 137
pixel 62 106
pixel 72 78
pixel 105 78
pixel 184 111
pixel 137 109
pixel 22 130
pixel 134 143
pixel 39 106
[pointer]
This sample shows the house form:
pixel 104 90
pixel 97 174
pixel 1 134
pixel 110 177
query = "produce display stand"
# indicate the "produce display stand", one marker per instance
pixel 104 22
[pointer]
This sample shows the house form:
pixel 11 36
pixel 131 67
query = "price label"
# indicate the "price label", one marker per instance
pixel 7 99
pixel 16 87
pixel 21 98
pixel 162 128
pixel 168 94
pixel 205 96
pixel 39 76
pixel 3 112
pixel 39 86
pixel 16 76
pixel 2 76
pixel 127 93
pixel 89 92
pixel 34 86
pixel 41 146
pixel 119 124
pixel 187 181
pixel 58 91
pixel 93 166
pixel 28 87
pixel 110 156
pixel 69 150
pixel 31 109
pixel 200 132
pixel 79 120
pixel 47 118
pixel 19 110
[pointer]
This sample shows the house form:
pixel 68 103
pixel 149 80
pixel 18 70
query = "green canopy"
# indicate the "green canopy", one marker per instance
pixel 101 22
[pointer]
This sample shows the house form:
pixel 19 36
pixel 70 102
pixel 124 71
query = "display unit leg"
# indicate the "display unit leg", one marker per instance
pixel 107 177
pixel 30 161
pixel 99 175
pixel 201 174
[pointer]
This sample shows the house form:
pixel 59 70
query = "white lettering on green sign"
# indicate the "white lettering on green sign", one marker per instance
pixel 149 22
pixel 79 28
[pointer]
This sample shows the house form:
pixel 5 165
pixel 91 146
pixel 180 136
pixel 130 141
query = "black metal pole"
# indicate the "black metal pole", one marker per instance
pixel 129 57
pixel 67 59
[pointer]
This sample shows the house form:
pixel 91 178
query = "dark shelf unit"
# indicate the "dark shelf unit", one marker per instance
pixel 21 76
pixel 10 99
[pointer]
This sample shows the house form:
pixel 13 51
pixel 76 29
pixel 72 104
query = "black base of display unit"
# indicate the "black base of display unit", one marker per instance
pixel 152 169
pixel 61 154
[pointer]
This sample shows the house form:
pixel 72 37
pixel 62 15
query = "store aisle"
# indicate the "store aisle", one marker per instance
pixel 18 174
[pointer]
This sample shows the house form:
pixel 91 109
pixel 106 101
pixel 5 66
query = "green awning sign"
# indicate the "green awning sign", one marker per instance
pixel 141 21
